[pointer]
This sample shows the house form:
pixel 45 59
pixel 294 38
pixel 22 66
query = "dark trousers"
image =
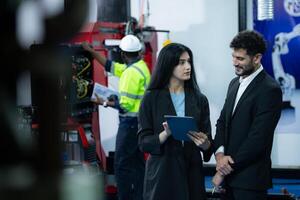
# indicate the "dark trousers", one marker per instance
pixel 243 194
pixel 129 161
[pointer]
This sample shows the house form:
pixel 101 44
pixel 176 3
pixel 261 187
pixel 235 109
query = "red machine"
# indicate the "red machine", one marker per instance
pixel 96 34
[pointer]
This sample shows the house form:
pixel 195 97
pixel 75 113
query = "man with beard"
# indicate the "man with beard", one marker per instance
pixel 245 128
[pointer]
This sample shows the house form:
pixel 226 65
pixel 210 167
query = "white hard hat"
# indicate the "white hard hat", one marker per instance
pixel 130 43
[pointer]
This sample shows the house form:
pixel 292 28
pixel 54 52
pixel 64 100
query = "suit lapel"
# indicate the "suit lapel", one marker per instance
pixel 170 109
pixel 189 103
pixel 231 99
pixel 248 90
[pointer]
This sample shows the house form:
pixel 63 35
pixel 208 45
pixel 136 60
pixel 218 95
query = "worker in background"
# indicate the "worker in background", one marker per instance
pixel 134 77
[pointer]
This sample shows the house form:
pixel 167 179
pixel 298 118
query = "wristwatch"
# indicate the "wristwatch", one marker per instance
pixel 105 104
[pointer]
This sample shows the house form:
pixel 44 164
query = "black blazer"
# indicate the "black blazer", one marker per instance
pixel 247 134
pixel 173 170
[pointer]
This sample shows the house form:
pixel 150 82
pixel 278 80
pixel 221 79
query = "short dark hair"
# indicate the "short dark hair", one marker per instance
pixel 167 60
pixel 252 41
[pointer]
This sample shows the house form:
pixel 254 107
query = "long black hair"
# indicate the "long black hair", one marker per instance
pixel 167 60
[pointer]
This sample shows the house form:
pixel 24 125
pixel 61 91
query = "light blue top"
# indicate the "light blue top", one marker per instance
pixel 178 100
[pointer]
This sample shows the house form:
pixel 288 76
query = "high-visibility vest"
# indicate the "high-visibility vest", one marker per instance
pixel 134 80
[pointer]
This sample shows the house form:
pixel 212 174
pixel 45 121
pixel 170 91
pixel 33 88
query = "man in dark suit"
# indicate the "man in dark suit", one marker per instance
pixel 245 128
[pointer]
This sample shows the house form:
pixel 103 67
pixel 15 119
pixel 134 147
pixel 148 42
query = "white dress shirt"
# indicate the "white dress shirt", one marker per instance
pixel 244 82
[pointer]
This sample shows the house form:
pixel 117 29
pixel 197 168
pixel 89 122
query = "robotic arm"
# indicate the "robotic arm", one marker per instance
pixel 286 81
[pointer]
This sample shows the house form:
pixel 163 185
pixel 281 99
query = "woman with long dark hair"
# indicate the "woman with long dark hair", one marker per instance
pixel 174 167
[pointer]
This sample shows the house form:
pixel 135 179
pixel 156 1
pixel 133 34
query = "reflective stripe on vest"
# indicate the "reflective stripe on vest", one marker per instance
pixel 132 96
pixel 142 73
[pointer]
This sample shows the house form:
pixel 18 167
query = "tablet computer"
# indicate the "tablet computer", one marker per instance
pixel 180 126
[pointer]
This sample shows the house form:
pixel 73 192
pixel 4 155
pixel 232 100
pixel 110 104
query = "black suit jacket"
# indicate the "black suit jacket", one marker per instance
pixel 247 133
pixel 173 170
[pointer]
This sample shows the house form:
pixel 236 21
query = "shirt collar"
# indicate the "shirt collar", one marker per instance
pixel 133 61
pixel 249 78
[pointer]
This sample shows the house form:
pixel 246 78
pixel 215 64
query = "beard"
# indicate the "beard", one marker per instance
pixel 245 70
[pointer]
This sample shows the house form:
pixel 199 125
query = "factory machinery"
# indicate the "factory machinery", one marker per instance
pixel 84 115
pixel 86 72
pixel 79 117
